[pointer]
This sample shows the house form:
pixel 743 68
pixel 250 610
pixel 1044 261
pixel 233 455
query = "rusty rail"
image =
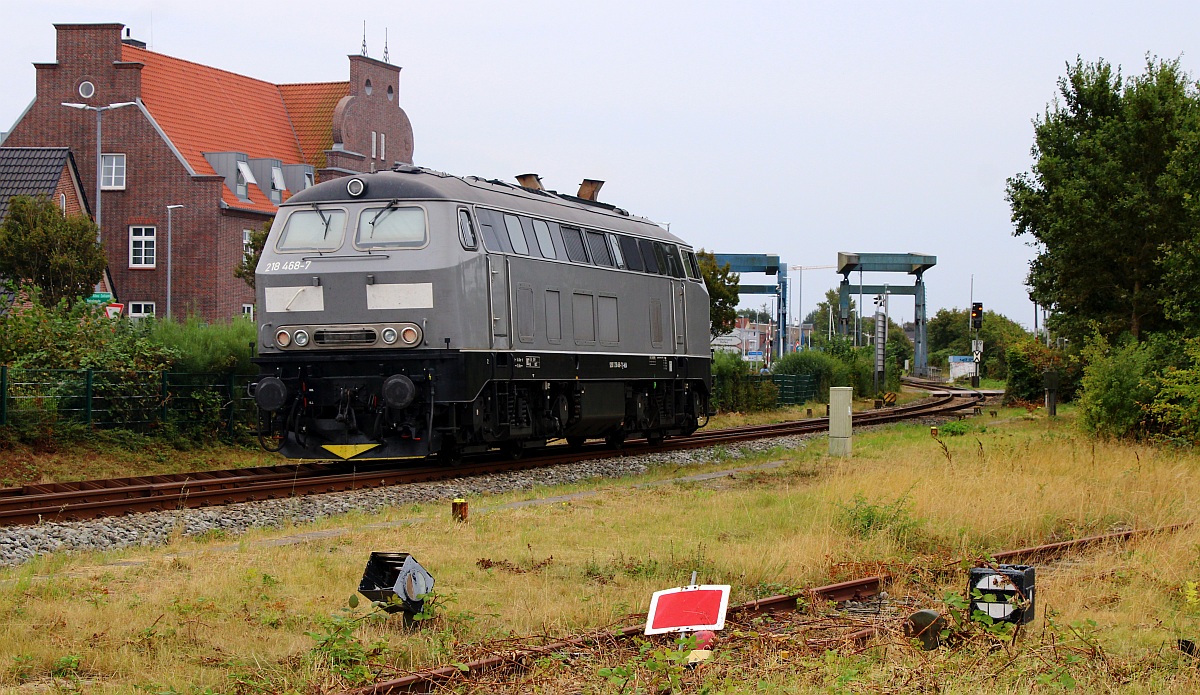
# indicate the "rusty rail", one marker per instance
pixel 423 680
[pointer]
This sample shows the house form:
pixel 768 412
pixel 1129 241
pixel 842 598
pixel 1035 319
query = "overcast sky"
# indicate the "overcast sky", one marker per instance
pixel 792 128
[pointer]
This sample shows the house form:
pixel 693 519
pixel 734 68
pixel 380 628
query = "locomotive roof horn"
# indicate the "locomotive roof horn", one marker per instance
pixel 589 189
pixel 531 181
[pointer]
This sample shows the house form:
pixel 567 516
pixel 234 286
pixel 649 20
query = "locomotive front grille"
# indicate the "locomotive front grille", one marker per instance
pixel 334 337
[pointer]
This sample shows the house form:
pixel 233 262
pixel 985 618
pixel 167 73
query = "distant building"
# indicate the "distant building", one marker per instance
pixel 227 147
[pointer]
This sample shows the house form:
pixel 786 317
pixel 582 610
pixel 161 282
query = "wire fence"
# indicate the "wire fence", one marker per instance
pixel 134 400
pixel 748 392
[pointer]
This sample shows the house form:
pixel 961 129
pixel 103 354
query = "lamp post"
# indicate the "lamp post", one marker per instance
pixel 99 167
pixel 170 209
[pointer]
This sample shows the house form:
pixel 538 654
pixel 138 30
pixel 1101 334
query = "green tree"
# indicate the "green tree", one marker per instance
pixel 1101 200
pixel 245 269
pixel 57 254
pixel 949 334
pixel 722 284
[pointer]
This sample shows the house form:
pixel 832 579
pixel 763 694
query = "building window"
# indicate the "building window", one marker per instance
pixel 112 172
pixel 247 246
pixel 309 180
pixel 374 146
pixel 248 311
pixel 62 202
pixel 244 176
pixel 383 146
pixel 141 247
pixel 141 310
pixel 278 185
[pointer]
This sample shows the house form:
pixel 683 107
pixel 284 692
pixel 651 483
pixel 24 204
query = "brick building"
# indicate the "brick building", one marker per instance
pixel 227 147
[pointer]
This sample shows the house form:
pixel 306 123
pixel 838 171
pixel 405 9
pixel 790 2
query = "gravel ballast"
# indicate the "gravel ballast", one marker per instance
pixel 19 544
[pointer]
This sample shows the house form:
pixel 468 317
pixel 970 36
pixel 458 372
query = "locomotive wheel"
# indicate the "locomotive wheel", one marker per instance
pixel 576 442
pixel 655 438
pixel 513 450
pixel 615 440
pixel 450 455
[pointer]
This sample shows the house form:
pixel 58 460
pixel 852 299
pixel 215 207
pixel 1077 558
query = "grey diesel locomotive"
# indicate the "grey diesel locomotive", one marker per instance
pixel 410 312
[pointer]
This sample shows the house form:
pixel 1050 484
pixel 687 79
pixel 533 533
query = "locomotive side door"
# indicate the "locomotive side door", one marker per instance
pixel 498 308
pixel 679 312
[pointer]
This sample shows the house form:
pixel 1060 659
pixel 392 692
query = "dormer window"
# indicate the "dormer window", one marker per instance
pixel 244 177
pixel 277 184
pixel 309 181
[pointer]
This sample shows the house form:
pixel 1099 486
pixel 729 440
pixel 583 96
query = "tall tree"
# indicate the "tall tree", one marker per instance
pixel 245 269
pixel 722 284
pixel 1098 202
pixel 57 254
pixel 949 334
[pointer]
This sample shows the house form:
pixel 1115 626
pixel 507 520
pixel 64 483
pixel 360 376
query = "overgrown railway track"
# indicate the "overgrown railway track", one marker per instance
pixel 90 499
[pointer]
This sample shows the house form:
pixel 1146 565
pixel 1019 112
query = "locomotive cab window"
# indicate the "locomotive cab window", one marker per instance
pixel 312 230
pixel 633 256
pixel 542 231
pixel 573 240
pixel 516 236
pixel 599 248
pixel 391 227
pixel 466 232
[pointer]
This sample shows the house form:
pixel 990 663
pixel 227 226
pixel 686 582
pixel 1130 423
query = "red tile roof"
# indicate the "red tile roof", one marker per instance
pixel 204 109
pixel 311 107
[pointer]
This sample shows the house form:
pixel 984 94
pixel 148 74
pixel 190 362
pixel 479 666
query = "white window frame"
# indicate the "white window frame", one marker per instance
pixel 246 234
pixel 141 310
pixel 248 311
pixel 277 179
pixel 142 237
pixel 310 179
pixel 109 181
pixel 245 177
pixel 374 148
pixel 383 145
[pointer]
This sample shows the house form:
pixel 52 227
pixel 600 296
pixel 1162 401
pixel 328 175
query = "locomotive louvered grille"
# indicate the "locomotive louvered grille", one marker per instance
pixel 349 336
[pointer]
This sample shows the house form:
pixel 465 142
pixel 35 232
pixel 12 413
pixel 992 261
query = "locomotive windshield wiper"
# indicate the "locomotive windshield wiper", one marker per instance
pixel 324 219
pixel 379 214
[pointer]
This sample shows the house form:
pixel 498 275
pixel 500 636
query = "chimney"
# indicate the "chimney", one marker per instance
pixel 589 189
pixel 129 40
pixel 532 181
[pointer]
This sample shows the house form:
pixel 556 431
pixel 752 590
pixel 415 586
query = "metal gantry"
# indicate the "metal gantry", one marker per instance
pixel 910 263
pixel 767 264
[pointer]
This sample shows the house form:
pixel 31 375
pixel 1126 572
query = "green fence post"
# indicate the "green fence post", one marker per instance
pixel 231 390
pixel 87 395
pixel 162 396
pixel 3 394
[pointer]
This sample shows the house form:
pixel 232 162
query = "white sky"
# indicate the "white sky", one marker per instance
pixel 793 128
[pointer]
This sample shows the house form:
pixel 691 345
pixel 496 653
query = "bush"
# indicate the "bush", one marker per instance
pixel 1118 385
pixel 1175 409
pixel 819 365
pixel 1027 362
pixel 208 347
pixel 735 388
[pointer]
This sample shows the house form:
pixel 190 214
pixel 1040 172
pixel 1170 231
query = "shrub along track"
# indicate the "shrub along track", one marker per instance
pixel 90 499
pixel 777 618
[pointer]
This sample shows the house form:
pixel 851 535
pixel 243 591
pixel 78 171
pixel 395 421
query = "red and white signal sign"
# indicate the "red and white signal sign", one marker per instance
pixel 687 609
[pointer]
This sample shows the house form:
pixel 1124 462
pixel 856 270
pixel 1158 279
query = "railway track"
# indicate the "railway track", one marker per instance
pixel 90 499
pixel 436 678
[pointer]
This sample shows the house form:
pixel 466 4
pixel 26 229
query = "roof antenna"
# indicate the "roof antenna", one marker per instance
pixel 385 51
pixel 364 46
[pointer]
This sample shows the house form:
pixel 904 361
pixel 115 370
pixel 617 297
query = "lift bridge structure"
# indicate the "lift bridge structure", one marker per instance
pixel 767 264
pixel 910 263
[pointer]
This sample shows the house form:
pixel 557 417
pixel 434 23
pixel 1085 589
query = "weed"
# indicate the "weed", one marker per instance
pixel 66 666
pixel 21 668
pixel 865 519
pixel 339 651
pixel 955 428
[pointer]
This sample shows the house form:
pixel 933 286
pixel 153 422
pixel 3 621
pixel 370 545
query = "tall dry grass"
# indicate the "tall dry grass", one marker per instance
pixel 232 615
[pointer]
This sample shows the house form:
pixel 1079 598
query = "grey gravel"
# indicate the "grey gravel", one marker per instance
pixel 23 543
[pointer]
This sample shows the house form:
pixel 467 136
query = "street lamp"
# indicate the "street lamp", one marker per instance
pixel 170 209
pixel 99 172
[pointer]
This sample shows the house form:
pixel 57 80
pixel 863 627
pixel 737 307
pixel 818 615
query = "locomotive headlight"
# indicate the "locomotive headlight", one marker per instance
pixel 410 335
pixel 283 338
pixel 301 338
pixel 389 335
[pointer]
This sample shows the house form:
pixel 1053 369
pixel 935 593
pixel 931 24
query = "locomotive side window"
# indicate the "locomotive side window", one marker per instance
pixel 488 223
pixel 689 265
pixel 573 239
pixel 391 227
pixel 516 237
pixel 466 232
pixel 633 255
pixel 545 243
pixel 671 252
pixel 599 248
pixel 652 265
pixel 614 247
pixel 313 230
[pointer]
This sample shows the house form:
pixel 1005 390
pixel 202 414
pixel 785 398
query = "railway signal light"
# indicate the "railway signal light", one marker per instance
pixel 977 315
pixel 397 580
